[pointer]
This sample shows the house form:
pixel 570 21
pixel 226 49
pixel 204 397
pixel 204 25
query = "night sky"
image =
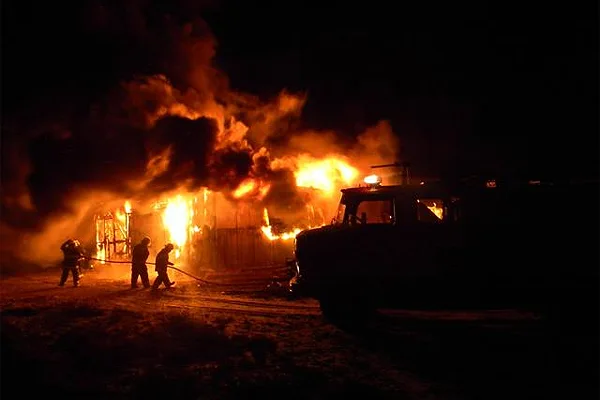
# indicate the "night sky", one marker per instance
pixel 469 88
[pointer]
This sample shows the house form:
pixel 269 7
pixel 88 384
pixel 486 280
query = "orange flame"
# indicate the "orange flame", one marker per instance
pixel 116 232
pixel 323 174
pixel 326 175
pixel 247 186
pixel 101 255
pixel 177 220
pixel 251 187
pixel 268 230
pixel 437 210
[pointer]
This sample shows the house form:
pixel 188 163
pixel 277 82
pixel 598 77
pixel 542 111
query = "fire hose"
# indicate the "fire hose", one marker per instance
pixel 179 270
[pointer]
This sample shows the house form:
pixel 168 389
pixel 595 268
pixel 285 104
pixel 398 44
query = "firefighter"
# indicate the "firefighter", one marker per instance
pixel 139 269
pixel 162 263
pixel 72 255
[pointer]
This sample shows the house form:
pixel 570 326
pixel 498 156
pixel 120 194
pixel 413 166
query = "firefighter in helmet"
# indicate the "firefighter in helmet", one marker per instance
pixel 162 263
pixel 139 269
pixel 72 256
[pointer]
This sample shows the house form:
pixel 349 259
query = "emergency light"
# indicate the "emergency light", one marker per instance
pixel 373 180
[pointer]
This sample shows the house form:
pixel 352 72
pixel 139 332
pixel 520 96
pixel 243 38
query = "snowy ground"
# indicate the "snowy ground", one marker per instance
pixel 104 340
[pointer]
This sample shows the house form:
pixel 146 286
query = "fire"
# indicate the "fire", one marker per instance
pixel 326 174
pixel 438 211
pixel 183 214
pixel 251 188
pixel 247 186
pixel 177 218
pixel 323 174
pixel 101 253
pixel 112 233
pixel 268 230
pixel 205 193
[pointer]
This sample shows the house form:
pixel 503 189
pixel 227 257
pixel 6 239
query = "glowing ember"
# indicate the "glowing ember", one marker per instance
pixel 128 207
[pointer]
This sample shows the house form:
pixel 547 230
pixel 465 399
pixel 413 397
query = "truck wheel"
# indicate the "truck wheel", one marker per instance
pixel 348 311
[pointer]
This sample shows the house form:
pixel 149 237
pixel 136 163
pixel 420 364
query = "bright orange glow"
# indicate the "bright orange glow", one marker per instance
pixel 334 168
pixel 264 190
pixel 101 255
pixel 327 174
pixel 177 218
pixel 121 217
pixel 251 188
pixel 372 179
pixel 438 211
pixel 247 186
pixel 267 230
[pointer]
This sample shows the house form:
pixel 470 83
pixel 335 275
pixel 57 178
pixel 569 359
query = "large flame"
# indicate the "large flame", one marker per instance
pixel 251 188
pixel 325 174
pixel 267 229
pixel 177 220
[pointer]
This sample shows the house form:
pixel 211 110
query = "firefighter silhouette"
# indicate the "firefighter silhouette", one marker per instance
pixel 139 269
pixel 162 263
pixel 72 255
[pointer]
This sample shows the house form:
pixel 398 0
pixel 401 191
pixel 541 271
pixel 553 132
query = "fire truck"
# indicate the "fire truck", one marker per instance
pixel 476 243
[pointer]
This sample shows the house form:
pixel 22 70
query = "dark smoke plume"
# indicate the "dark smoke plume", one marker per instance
pixel 91 124
pixel 191 143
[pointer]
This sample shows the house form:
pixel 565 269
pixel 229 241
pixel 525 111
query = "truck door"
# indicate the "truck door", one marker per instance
pixel 371 221
pixel 423 236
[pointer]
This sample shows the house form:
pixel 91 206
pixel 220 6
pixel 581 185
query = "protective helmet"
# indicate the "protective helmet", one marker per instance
pixel 169 246
pixel 146 240
pixel 68 243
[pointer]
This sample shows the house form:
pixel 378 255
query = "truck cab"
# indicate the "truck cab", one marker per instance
pixel 445 245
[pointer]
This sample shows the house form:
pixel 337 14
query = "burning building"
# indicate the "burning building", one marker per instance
pixel 217 230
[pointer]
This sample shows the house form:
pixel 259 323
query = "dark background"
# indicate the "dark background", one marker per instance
pixel 469 88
